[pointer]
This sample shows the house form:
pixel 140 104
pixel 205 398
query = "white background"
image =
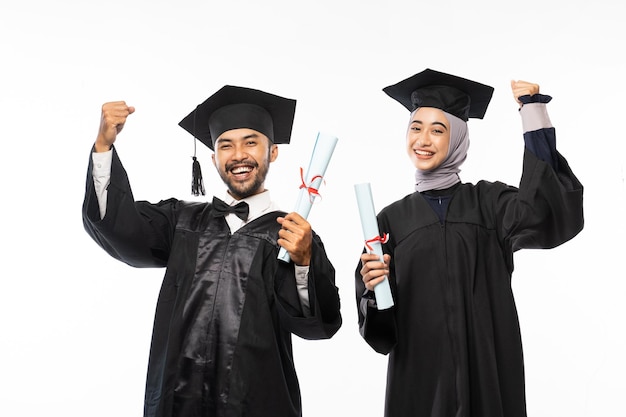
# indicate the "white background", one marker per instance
pixel 75 324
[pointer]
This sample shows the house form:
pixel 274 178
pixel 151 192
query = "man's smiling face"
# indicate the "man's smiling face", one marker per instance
pixel 242 158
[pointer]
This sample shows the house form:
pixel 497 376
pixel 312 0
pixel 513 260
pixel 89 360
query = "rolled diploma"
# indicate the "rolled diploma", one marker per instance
pixel 364 199
pixel 322 152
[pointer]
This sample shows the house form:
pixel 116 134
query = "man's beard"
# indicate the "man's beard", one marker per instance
pixel 235 188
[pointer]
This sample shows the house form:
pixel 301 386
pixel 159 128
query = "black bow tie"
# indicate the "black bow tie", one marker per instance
pixel 220 208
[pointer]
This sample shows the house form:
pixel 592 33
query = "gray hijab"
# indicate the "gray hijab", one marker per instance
pixel 446 174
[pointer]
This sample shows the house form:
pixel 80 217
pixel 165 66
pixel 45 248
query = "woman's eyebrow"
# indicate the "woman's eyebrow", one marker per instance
pixel 434 123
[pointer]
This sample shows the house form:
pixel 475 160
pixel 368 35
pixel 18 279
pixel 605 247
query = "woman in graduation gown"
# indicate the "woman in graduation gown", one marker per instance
pixel 453 334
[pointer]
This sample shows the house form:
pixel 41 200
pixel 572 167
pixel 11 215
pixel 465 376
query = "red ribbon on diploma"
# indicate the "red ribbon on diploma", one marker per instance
pixel 381 239
pixel 311 190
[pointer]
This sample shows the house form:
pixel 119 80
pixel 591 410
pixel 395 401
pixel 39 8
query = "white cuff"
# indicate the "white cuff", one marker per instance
pixel 302 284
pixel 101 173
pixel 535 117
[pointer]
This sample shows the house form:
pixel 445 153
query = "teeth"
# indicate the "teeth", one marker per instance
pixel 241 170
pixel 424 153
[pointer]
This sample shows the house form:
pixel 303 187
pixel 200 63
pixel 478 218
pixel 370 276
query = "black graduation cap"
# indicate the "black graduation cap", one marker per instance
pixel 233 107
pixel 455 95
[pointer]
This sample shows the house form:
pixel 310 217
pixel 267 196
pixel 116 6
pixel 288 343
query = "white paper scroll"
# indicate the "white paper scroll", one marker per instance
pixel 322 152
pixel 364 199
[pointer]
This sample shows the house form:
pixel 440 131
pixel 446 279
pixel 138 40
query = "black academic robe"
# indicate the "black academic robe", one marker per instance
pixel 453 335
pixel 221 342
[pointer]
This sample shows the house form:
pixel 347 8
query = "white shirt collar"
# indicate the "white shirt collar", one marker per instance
pixel 259 205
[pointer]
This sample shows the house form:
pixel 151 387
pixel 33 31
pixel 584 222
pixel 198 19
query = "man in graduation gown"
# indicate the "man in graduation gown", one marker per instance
pixel 221 342
pixel 453 334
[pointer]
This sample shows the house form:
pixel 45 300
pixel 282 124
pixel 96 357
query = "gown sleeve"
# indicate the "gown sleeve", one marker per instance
pixel 547 209
pixel 377 327
pixel 325 317
pixel 136 233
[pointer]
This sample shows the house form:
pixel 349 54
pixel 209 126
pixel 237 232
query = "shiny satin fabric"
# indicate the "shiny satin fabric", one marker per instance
pixel 223 313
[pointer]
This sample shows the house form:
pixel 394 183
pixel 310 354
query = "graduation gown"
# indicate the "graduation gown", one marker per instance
pixel 221 343
pixel 453 335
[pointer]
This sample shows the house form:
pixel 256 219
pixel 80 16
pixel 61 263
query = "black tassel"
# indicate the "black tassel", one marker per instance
pixel 197 185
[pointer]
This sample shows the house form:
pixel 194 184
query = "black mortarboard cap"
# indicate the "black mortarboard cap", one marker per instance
pixel 455 95
pixel 233 107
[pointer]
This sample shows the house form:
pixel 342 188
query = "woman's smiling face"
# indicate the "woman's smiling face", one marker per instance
pixel 428 138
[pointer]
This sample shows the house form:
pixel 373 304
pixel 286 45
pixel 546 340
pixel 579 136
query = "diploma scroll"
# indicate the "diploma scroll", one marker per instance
pixel 373 240
pixel 322 152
